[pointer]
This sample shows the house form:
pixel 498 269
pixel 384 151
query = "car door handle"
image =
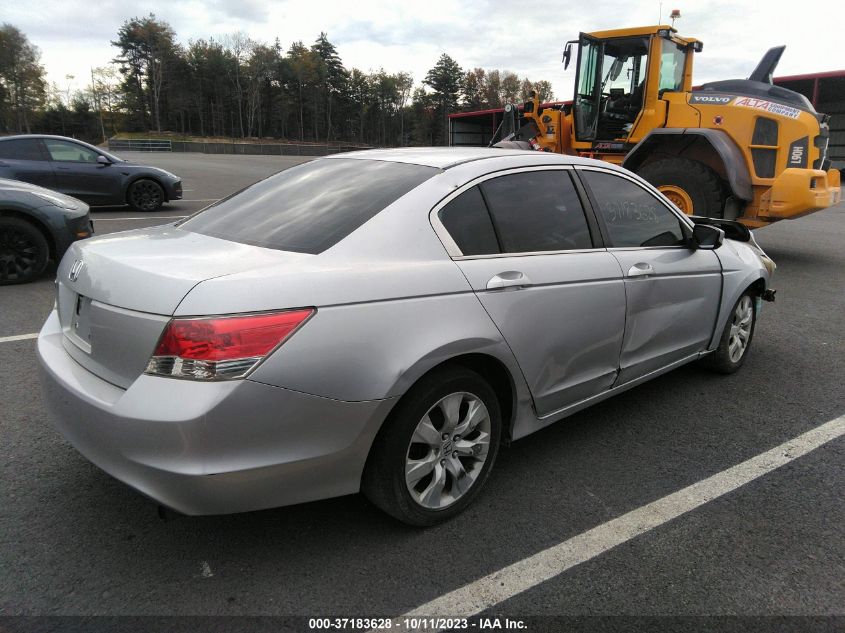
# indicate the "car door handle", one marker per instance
pixel 62 168
pixel 508 279
pixel 640 270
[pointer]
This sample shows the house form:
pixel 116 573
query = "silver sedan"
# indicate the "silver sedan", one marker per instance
pixel 383 321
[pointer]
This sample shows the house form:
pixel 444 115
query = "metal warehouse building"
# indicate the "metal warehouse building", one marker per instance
pixel 825 90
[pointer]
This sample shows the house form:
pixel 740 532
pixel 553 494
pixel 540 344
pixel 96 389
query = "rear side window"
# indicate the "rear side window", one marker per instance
pixel 310 207
pixel 537 211
pixel 633 216
pixel 468 222
pixel 21 149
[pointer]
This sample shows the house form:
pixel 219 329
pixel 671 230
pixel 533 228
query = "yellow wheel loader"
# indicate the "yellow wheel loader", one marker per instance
pixel 741 150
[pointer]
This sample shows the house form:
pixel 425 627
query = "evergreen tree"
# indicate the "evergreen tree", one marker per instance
pixel 445 79
pixel 147 46
pixel 333 79
pixel 23 87
pixel 244 88
pixel 304 76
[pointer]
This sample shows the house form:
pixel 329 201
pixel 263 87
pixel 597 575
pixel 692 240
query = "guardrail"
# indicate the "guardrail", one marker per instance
pixel 140 145
pixel 266 149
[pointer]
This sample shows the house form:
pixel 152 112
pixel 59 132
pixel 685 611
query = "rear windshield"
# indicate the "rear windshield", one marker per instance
pixel 310 207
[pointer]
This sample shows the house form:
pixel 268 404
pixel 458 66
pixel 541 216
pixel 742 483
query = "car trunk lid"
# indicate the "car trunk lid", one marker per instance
pixel 116 293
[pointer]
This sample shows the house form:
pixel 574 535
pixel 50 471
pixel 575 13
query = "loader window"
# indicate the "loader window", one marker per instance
pixel 672 58
pixel 611 82
pixel 623 72
pixel 586 110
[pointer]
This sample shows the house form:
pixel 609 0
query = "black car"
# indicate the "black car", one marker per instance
pixel 86 172
pixel 36 225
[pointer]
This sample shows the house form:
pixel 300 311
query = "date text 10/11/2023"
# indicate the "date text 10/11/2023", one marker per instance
pixel 415 624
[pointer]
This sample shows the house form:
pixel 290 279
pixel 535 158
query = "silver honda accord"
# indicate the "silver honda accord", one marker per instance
pixel 383 321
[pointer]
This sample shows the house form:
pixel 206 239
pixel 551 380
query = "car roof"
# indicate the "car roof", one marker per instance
pixel 99 150
pixel 55 136
pixel 446 157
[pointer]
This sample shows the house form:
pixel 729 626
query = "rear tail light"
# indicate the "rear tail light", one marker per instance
pixel 222 348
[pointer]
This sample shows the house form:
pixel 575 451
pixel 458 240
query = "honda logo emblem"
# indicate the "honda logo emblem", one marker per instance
pixel 73 275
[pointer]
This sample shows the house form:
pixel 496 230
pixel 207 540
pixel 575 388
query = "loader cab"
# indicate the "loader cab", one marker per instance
pixel 619 73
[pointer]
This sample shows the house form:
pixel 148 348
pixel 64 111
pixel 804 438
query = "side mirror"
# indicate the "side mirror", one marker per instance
pixel 567 55
pixel 102 160
pixel 706 237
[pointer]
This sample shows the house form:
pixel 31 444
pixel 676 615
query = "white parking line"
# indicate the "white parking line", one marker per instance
pixel 147 217
pixel 18 337
pixel 482 594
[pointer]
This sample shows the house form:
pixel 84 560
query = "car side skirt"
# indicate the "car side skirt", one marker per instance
pixel 526 427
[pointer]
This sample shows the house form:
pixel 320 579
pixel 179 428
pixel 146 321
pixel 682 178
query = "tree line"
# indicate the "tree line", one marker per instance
pixel 238 87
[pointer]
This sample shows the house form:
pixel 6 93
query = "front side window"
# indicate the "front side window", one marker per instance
pixel 632 215
pixel 537 211
pixel 65 151
pixel 310 207
pixel 21 149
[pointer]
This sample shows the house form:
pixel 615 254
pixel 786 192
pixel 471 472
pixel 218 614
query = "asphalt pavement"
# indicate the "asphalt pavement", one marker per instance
pixel 74 541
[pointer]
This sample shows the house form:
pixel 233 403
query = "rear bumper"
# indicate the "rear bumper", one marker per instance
pixel 209 448
pixel 797 192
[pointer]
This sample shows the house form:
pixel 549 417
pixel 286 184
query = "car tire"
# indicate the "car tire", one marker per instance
pixel 421 470
pixel 692 186
pixel 24 251
pixel 736 337
pixel 145 195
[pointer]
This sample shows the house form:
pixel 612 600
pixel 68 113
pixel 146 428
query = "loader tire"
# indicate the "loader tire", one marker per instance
pixel 691 186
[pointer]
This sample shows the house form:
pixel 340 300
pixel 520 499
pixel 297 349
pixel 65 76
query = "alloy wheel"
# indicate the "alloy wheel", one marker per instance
pixel 740 335
pixel 18 254
pixel 448 450
pixel 145 195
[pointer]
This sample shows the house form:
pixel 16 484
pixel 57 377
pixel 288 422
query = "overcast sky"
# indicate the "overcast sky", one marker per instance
pixel 520 36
